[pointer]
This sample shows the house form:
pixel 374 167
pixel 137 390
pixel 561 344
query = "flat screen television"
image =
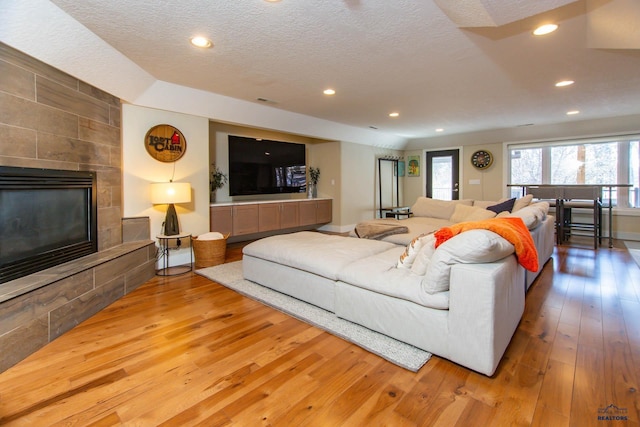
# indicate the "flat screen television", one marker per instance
pixel 260 166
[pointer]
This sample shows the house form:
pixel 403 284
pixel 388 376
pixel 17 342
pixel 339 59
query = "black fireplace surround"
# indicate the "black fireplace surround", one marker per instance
pixel 47 217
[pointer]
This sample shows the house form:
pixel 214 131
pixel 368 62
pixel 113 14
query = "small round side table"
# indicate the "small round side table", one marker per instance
pixel 163 242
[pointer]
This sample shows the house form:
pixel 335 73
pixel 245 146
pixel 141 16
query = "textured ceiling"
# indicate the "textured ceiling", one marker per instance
pixel 472 67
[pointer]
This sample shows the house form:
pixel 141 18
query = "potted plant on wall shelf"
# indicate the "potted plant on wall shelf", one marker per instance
pixel 217 180
pixel 314 175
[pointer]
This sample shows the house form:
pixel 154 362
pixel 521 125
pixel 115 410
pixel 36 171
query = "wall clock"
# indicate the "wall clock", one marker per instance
pixel 482 159
pixel 165 143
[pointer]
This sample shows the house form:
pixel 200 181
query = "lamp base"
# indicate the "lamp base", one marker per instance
pixel 171 227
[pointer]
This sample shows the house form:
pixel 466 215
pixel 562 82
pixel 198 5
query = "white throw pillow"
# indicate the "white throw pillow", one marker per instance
pixel 522 202
pixel 410 252
pixel 470 213
pixel 543 206
pixel 469 247
pixel 434 208
pixel 423 258
pixel 533 214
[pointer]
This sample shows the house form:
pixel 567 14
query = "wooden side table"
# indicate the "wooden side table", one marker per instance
pixel 163 242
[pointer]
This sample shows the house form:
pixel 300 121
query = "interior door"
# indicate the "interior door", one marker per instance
pixel 443 174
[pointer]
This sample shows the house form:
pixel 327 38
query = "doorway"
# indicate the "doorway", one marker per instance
pixel 443 174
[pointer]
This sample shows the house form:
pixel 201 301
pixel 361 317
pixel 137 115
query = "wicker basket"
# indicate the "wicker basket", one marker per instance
pixel 208 253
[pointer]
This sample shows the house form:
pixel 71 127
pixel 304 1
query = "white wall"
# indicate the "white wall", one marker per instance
pixel 359 165
pixel 140 170
pixel 326 156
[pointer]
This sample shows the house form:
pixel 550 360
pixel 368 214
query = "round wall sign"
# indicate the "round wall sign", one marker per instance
pixel 482 159
pixel 165 143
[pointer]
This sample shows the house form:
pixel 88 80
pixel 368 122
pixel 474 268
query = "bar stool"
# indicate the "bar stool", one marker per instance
pixel 552 195
pixel 581 197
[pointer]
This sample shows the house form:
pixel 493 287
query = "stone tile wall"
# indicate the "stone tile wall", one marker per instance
pixel 49 119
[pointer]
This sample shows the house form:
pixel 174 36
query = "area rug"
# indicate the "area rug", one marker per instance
pixel 634 250
pixel 397 352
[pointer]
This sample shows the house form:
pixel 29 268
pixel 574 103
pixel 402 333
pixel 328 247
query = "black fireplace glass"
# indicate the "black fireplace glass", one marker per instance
pixel 47 217
pixel 28 229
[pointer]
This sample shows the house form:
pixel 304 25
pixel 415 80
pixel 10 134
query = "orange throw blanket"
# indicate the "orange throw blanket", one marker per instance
pixel 512 229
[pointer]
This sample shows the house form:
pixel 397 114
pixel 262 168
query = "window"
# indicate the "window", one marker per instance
pixel 526 166
pixel 601 162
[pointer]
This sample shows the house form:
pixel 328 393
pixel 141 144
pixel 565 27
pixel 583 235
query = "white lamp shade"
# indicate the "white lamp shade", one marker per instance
pixel 165 193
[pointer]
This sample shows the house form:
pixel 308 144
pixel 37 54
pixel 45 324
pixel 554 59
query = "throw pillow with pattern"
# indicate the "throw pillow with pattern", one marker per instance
pixel 410 252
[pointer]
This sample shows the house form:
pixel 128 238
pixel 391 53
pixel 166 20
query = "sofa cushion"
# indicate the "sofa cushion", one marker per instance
pixel 378 274
pixel 470 213
pixel 518 204
pixel 506 206
pixel 417 225
pixel 314 252
pixel 484 204
pixel 469 247
pixel 434 208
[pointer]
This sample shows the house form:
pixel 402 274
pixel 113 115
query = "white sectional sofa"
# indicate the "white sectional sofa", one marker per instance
pixel 430 215
pixel 461 301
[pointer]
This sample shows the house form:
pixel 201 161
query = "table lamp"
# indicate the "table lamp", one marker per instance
pixel 168 193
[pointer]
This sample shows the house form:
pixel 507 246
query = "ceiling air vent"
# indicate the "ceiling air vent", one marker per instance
pixel 266 101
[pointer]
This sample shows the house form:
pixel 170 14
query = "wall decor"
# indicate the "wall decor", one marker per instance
pixel 413 168
pixel 401 168
pixel 165 143
pixel 482 159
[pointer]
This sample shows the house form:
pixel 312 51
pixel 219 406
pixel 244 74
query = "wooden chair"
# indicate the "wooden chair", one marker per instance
pixel 581 197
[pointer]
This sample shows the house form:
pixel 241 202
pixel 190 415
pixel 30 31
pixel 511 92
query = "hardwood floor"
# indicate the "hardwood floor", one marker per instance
pixel 186 351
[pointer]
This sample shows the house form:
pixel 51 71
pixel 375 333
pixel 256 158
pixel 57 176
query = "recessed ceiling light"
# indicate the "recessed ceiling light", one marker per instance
pixel 439 130
pixel 545 29
pixel 200 41
pixel 564 83
pixel 272 1
pixel 394 114
pixel 329 92
pixel 572 112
